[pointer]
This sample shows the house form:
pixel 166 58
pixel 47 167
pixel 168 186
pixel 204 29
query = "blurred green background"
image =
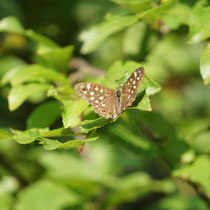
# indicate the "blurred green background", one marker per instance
pixel 154 160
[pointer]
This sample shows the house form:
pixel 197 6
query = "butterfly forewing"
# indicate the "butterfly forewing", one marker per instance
pixel 130 87
pixel 101 98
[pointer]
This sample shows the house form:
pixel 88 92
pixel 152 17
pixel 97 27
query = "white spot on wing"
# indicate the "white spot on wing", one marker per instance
pixel 101 97
pixel 96 101
pixel 103 105
pixel 134 82
pixel 138 78
pixel 134 87
pixel 91 93
pixel 85 92
pixel 92 98
pixel 88 86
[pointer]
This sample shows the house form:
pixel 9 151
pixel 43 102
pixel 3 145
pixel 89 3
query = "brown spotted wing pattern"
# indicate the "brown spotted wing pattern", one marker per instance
pixel 107 102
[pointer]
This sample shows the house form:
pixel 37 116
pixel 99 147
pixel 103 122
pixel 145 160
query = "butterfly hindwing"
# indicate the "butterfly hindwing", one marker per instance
pixel 130 87
pixel 100 97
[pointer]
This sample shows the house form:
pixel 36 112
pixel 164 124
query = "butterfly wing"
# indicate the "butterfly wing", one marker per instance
pixel 130 87
pixel 102 99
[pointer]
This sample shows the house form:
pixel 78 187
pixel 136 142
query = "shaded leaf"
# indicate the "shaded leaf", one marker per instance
pixel 88 125
pixel 144 104
pixel 138 141
pixel 197 172
pixel 46 194
pixel 43 43
pixel 137 185
pixel 44 115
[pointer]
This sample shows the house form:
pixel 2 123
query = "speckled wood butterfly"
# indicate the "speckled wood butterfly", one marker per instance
pixel 107 102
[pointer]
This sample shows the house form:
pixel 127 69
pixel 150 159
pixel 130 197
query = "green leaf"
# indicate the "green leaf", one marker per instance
pixel 205 64
pixel 200 142
pixel 19 93
pixel 97 34
pixel 197 172
pixel 180 13
pixel 5 135
pixel 55 58
pixel 54 144
pixel 157 11
pixel 44 115
pixel 88 125
pixel 46 194
pixel 8 76
pixel 9 62
pixel 11 24
pixel 58 132
pixel 43 44
pixel 199 25
pixel 6 201
pixel 119 69
pixel 136 6
pixel 28 136
pixel 138 141
pixel 137 185
pixel 153 87
pixel 144 104
pixel 36 72
pixel 72 111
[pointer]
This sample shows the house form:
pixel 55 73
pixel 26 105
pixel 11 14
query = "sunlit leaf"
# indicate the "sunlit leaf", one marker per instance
pixel 72 112
pixel 36 72
pixel 205 64
pixel 50 144
pixel 55 58
pixel 97 34
pixel 11 24
pixel 28 136
pixel 19 93
pixel 5 135
pixel 199 25
pixel 137 6
pixel 9 62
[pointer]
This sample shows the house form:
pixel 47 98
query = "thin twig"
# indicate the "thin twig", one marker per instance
pixel 84 68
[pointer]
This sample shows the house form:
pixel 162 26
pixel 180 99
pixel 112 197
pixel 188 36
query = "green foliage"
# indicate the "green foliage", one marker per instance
pixel 155 155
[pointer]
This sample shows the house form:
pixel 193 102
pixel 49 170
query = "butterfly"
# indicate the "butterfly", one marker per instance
pixel 107 102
